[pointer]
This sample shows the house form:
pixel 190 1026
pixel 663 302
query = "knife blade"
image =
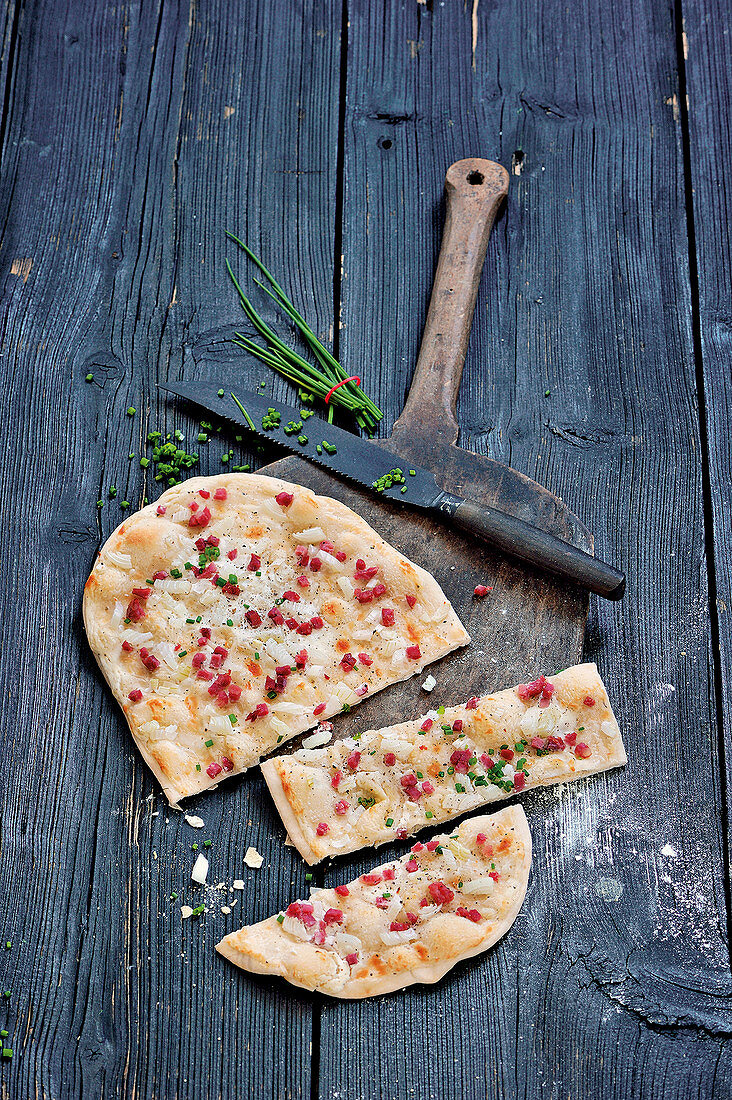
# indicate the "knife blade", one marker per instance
pixel 383 472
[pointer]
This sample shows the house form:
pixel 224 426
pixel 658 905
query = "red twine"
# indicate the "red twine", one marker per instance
pixel 353 378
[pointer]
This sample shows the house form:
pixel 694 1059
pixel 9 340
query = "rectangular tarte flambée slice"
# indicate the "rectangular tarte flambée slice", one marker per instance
pixel 240 610
pixel 386 784
pixel 408 921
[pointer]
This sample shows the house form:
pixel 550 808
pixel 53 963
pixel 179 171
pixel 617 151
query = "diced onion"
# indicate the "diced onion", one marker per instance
pixel 483 885
pixel 200 870
pixel 391 939
pixel 321 737
pixel 124 561
pixel 310 536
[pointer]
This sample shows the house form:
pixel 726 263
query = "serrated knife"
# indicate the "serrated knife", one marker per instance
pixel 368 464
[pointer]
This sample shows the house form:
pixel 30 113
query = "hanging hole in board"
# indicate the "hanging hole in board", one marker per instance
pixel 476 178
pixel 384 143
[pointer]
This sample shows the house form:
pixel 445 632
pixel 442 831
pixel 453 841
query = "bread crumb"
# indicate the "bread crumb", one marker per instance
pixel 253 858
pixel 194 822
pixel 186 911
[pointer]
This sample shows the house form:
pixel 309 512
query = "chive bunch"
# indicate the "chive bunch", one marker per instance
pixel 313 380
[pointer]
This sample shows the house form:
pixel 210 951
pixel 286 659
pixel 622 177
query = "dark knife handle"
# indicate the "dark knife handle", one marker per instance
pixel 531 544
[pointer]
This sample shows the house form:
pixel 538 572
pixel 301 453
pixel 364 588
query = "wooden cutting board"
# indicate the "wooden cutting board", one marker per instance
pixel 530 622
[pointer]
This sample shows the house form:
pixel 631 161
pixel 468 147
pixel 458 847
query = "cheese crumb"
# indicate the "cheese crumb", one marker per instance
pixel 194 822
pixel 200 870
pixel 429 683
pixel 253 858
pixel 186 912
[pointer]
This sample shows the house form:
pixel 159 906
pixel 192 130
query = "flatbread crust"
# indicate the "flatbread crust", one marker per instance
pixel 209 625
pixel 454 898
pixel 390 783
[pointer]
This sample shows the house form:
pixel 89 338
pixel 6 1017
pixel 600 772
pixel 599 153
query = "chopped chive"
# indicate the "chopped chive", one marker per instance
pixel 389 822
pixel 208 744
pixel 308 877
pixel 194 847
pixel 207 843
pixel 131 411
pixel 280 918
pixel 198 767
pixel 220 393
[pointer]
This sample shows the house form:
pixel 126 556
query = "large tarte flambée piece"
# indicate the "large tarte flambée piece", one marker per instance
pixel 389 783
pixel 240 610
pixel 406 922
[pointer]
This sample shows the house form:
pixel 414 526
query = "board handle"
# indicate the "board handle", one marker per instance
pixel 474 190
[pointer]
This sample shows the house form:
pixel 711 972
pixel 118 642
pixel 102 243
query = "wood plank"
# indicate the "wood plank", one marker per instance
pixel 136 134
pixel 704 106
pixel 617 968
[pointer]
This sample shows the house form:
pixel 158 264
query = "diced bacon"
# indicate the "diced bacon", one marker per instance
pixel 284 499
pixel 302 555
pixel 540 688
pixel 457 725
pixel 353 760
pixel 161 509
pixel 481 590
pixel 150 662
pixel 469 914
pixel 440 893
pixel 431 845
pixel 231 554
pixel 363 595
pixel 322 829
pixel 319 709
pixel 315 565
pixel 362 690
pixel 204 674
pixel 304 629
pixel 556 744
pixel 342 891
pixel 411 600
pixel 352 958
pixel 204 493
pixel 135 610
pixel 348 661
pixel 302 911
pixel 222 699
pixel 519 781
pixel 570 738
pixel 487 761
pixel 301 659
pixel 399 926
pixel 255 562
pixel 276 616
pixel 494 875
pixel 414 652
pixel 341 807
pixel 253 617
pixel 588 701
pixel 371 879
pixel 387 616
pixel 135 695
pixel 427 787
pixel 389 874
pixel 583 751
pixel 365 659
pixel 216 661
pixel 378 590
pixel 220 494
pixel 389 759
pixel 409 780
pixel 126 646
pixel 411 865
pixel 507 754
pixel 206 631
pixel 226 764
pixel 291 596
pixel 327 546
pixel 472 704
pixel 427 725
pixel 234 692
pixel 316 622
pixel 213 540
pixel 213 770
pixel 481 838
pixel 161 575
pixel 460 759
pixel 200 545
pixel 198 659
pixel 341 555
pixel 333 916
pixel 401 834
pixel 193 506
pixel 418 847
pixel 303 581
pixel 537 743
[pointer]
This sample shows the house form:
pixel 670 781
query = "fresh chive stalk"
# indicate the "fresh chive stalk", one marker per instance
pixel 316 380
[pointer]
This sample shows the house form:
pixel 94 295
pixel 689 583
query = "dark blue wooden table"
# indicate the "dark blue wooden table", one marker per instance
pixel 133 134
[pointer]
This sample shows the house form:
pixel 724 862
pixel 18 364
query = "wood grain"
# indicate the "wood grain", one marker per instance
pixel 132 136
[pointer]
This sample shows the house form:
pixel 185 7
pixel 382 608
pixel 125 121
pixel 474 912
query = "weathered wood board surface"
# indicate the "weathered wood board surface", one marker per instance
pixel 132 135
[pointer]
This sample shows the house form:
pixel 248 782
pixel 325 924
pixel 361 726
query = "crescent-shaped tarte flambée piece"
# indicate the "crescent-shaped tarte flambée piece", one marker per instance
pixel 239 610
pixel 406 922
pixel 390 783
